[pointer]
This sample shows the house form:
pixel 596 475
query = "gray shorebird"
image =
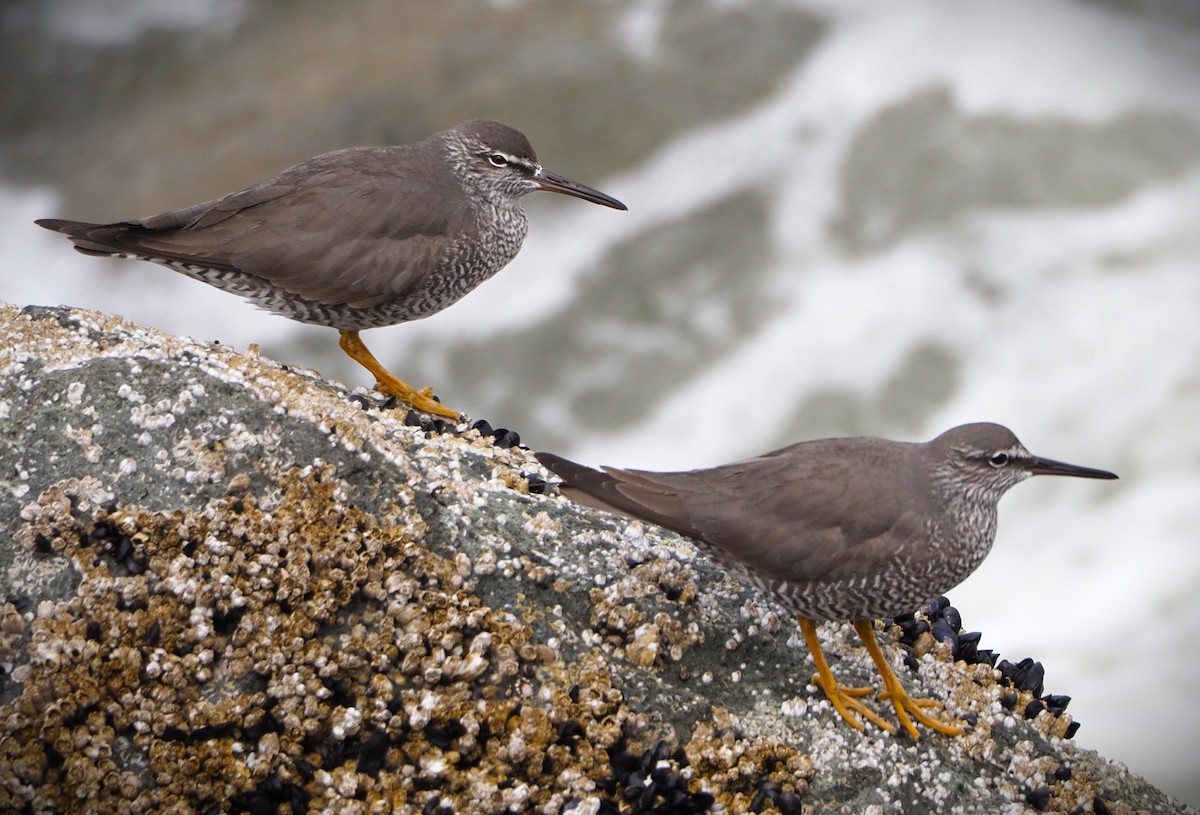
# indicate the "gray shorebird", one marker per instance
pixel 838 529
pixel 359 238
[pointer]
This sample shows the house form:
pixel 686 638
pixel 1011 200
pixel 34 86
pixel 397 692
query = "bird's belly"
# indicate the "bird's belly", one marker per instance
pixel 441 288
pixel 885 593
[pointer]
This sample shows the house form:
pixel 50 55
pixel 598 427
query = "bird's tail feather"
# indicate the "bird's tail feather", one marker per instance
pixel 101 240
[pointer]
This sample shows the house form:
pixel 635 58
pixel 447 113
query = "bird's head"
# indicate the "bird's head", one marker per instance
pixel 501 162
pixel 987 460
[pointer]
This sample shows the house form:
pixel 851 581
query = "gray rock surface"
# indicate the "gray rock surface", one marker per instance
pixel 233 587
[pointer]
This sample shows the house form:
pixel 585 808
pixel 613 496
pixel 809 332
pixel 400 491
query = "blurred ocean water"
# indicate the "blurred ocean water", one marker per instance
pixel 845 218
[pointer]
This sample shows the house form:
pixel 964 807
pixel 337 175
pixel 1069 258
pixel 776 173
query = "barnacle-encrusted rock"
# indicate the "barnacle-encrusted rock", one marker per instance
pixel 229 587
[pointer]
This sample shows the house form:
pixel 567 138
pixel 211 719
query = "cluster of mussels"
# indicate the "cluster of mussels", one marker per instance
pixel 502 437
pixel 944 623
pixel 1039 797
pixel 655 781
pixel 651 781
pixel 433 426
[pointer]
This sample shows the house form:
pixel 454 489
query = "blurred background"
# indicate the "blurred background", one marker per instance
pixel 845 218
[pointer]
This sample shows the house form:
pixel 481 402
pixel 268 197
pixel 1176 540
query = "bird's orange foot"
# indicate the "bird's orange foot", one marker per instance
pixel 420 399
pixel 907 708
pixel 390 385
pixel 847 702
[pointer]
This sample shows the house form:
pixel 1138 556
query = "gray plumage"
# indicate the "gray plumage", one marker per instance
pixel 356 238
pixel 836 529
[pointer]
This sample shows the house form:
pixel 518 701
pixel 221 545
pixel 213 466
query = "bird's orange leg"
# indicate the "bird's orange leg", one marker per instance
pixel 904 704
pixel 846 701
pixel 385 383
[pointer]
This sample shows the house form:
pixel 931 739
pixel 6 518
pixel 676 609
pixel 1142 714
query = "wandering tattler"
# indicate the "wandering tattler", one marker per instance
pixel 839 529
pixel 358 238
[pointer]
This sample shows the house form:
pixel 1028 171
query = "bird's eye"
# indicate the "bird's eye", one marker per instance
pixel 998 459
pixel 497 159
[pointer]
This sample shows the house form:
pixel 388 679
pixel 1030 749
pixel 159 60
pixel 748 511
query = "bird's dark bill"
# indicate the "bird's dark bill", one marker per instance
pixel 1045 466
pixel 553 182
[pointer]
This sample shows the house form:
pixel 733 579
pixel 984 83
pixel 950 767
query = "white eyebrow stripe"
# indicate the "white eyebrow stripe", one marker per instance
pixel 532 166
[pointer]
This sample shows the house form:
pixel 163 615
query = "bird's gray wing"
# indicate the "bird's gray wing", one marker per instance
pixel 353 226
pixel 778 515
